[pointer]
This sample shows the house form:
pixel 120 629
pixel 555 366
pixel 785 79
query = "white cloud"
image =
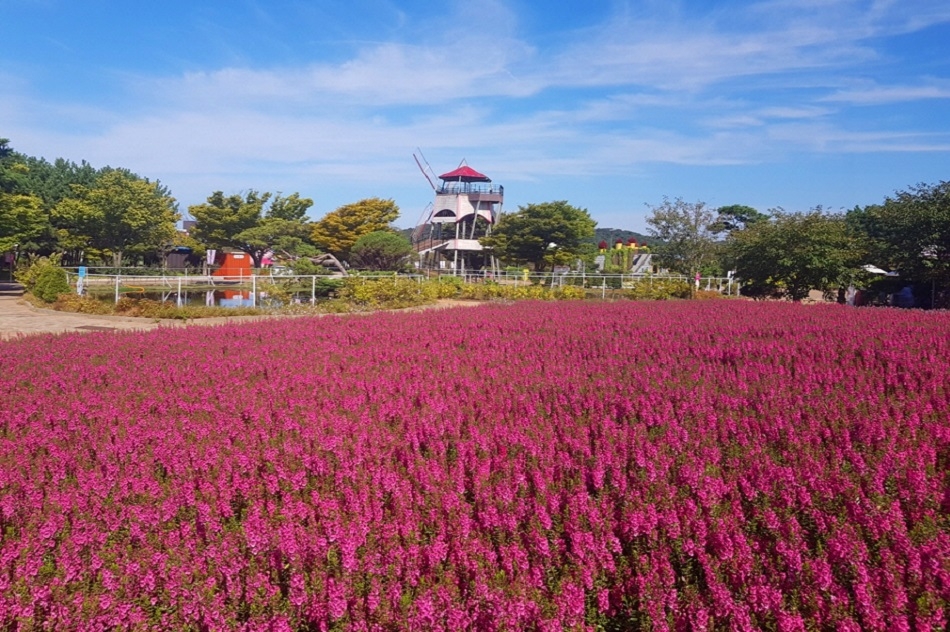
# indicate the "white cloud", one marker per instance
pixel 878 95
pixel 827 138
pixel 733 87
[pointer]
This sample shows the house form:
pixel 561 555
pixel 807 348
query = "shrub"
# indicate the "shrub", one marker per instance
pixel 381 250
pixel 394 293
pixel 51 281
pixel 494 291
pixel 146 308
pixel 82 304
pixel 28 274
pixel 304 266
pixel 659 290
pixel 448 286
pixel 611 282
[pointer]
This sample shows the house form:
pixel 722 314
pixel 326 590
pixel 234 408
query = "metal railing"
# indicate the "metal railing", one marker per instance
pixel 257 286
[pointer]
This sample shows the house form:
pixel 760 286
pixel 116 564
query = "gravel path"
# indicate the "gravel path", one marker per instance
pixel 18 318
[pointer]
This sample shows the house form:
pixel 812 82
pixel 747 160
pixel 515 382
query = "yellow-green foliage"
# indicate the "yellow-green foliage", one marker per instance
pixel 50 283
pixel 29 273
pixel 82 305
pixel 494 291
pixel 658 290
pixel 396 293
pixel 338 230
pixel 146 308
pixel 392 293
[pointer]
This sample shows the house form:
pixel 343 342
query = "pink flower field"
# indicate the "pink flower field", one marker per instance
pixel 710 465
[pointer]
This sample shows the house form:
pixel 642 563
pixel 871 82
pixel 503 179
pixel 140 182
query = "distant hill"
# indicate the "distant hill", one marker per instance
pixel 611 235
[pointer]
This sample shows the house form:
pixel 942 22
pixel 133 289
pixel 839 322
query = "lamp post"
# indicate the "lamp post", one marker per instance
pixel 16 253
pixel 552 250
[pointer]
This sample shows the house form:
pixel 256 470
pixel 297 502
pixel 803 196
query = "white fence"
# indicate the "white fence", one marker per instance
pixel 256 286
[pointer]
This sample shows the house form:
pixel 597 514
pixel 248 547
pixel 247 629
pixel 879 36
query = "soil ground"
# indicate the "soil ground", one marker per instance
pixel 18 318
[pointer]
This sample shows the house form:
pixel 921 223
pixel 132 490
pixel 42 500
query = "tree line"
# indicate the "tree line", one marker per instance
pixel 903 242
pixel 89 215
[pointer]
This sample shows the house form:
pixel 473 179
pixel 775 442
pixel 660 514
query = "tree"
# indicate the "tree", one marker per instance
pixel 53 182
pixel 291 208
pixel 221 219
pixel 793 253
pixel 909 233
pixel 381 250
pixel 736 217
pixel 686 235
pixel 240 222
pixel 338 230
pixel 120 213
pixel 543 234
pixel 272 234
pixel 22 219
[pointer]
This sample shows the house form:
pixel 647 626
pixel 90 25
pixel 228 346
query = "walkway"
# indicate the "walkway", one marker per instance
pixel 18 318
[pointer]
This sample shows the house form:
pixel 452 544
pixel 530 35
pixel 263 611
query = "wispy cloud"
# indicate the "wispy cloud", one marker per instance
pixel 741 84
pixel 878 95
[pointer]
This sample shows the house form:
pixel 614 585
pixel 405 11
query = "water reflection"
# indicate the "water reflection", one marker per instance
pixel 212 298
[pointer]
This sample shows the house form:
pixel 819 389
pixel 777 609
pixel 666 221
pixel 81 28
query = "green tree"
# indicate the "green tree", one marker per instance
pixel 793 253
pixel 120 213
pixel 381 250
pixel 736 217
pixel 241 222
pixel 22 219
pixel 221 219
pixel 55 181
pixel 541 235
pixel 910 233
pixel 291 208
pixel 338 230
pixel 274 235
pixel 685 231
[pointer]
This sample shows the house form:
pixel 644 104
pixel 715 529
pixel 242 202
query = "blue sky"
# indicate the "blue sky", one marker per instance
pixel 609 105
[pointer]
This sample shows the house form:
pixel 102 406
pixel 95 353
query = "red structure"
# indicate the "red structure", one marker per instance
pixel 232 264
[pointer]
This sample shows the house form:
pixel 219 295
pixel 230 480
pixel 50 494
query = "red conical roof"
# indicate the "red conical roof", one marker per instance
pixel 465 174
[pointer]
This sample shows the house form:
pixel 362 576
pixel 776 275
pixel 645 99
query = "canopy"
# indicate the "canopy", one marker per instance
pixel 465 174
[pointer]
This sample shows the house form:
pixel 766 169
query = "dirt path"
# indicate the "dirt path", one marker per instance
pixel 18 318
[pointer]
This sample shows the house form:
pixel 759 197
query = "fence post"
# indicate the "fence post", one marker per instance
pixel 313 290
pixel 253 289
pixel 117 288
pixel 178 300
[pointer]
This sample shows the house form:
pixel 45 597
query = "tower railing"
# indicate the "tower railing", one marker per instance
pixel 470 187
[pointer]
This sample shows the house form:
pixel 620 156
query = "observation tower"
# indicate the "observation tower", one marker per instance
pixel 465 209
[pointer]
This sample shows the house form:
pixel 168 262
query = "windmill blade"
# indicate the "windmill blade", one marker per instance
pixel 422 169
pixel 426 214
pixel 429 172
